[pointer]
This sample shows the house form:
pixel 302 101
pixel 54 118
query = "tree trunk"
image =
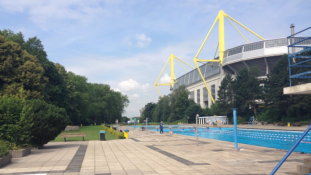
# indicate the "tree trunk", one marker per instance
pixel 255 112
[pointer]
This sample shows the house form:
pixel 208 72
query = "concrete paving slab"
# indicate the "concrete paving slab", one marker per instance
pixel 152 153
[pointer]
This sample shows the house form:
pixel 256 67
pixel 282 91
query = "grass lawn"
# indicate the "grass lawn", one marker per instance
pixel 92 133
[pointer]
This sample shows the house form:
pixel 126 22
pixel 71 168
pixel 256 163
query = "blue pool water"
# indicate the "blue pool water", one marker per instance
pixel 266 138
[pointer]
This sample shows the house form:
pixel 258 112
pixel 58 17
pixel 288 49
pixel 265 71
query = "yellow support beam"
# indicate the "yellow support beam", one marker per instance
pixel 245 27
pixel 209 92
pixel 181 65
pixel 216 51
pixel 221 43
pixel 237 29
pixel 221 33
pixel 172 71
pixel 173 81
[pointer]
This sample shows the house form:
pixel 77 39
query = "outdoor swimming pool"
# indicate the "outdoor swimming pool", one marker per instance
pixel 267 138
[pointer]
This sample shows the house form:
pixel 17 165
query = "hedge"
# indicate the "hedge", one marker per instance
pixel 14 125
pixel 47 121
pixel 119 135
pixel 30 122
pixel 4 149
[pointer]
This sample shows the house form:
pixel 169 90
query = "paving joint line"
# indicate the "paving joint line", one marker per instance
pixel 177 158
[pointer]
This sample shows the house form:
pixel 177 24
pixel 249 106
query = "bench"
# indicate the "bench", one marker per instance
pixel 296 124
pixel 80 134
pixel 264 123
pixel 279 124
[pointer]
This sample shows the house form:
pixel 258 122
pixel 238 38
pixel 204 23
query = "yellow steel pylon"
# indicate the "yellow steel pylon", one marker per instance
pixel 173 81
pixel 221 43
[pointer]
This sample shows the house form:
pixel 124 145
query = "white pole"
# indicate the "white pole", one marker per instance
pixel 146 125
pixel 196 121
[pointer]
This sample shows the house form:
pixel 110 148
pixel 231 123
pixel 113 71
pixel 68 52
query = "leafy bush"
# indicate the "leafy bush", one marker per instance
pixel 34 122
pixel 4 150
pixel 47 121
pixel 241 120
pixel 305 122
pixel 269 115
pixel 119 135
pixel 14 125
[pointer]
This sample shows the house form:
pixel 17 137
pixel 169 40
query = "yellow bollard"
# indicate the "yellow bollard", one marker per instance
pixel 288 124
pixel 81 125
pixel 94 124
pixel 126 134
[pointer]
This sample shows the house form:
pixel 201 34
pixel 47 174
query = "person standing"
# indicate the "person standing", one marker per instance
pixel 161 127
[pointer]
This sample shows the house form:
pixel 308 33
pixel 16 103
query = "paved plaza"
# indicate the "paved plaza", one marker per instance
pixel 148 152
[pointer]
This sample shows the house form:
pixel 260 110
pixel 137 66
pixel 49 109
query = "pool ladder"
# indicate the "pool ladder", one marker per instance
pixel 290 151
pixel 289 147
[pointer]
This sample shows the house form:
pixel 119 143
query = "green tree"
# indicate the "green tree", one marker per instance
pixel 99 106
pixel 11 36
pixel 156 115
pixel 79 99
pixel 180 96
pixel 193 110
pixel 208 112
pixel 285 107
pixel 20 70
pixel 125 119
pixel 148 110
pixel 225 95
pixel 54 89
pixel 247 90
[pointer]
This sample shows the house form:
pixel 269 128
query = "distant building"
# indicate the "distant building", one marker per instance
pixel 263 54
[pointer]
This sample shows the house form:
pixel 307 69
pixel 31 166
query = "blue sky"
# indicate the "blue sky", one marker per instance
pixel 126 43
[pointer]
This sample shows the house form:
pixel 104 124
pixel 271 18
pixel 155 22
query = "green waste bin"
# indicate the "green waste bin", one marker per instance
pixel 102 135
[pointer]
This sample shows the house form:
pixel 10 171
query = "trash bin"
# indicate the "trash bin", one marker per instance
pixel 102 135
pixel 126 133
pixel 288 124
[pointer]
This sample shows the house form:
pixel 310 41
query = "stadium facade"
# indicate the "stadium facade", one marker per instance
pixel 263 54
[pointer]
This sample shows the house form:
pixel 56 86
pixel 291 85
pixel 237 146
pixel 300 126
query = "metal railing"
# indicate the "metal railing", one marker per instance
pixel 303 44
pixel 290 151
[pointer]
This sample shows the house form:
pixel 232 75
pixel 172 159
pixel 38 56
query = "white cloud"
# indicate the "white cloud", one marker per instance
pixel 132 85
pixel 145 87
pixel 142 62
pixel 116 89
pixel 135 96
pixel 49 11
pixel 142 40
pixel 165 79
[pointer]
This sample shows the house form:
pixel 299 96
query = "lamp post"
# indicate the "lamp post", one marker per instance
pixel 188 119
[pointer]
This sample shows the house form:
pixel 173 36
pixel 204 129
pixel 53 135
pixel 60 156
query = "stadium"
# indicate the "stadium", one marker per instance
pixel 263 54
